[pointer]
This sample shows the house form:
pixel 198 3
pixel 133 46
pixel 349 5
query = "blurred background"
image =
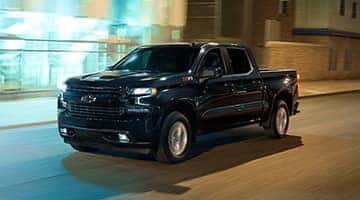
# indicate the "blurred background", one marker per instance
pixel 44 42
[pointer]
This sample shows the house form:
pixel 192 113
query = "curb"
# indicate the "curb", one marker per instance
pixel 27 125
pixel 328 94
pixel 8 96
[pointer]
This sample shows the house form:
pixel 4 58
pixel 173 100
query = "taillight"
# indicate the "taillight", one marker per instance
pixel 298 84
pixel 187 78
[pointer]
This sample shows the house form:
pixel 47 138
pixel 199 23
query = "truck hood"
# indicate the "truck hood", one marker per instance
pixel 120 78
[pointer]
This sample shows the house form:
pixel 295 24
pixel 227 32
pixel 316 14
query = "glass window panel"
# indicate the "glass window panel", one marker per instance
pixel 39 49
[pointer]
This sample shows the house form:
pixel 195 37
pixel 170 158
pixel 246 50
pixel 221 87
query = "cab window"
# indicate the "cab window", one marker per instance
pixel 238 61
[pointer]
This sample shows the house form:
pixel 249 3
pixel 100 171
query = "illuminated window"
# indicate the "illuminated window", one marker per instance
pixel 342 8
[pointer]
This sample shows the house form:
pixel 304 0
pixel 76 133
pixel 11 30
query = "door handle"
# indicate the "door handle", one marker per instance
pixel 231 86
pixel 241 92
pixel 256 82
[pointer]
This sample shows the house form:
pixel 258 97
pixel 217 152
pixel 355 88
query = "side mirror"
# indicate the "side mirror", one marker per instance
pixel 211 72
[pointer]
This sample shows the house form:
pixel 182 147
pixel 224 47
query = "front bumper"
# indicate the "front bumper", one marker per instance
pixel 103 139
pixel 108 133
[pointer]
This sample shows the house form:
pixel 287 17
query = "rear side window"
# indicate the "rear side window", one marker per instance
pixel 239 62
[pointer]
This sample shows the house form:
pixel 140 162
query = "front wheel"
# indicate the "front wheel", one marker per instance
pixel 279 120
pixel 175 139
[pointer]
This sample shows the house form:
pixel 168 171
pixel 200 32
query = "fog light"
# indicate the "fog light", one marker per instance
pixel 63 130
pixel 123 138
pixel 66 132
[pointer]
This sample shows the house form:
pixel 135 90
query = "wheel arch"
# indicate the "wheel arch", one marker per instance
pixel 284 95
pixel 186 108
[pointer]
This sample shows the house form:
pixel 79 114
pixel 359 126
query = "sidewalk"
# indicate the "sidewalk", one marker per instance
pixel 42 110
pixel 318 88
pixel 23 112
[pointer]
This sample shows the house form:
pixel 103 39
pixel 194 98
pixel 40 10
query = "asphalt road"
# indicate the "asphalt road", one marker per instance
pixel 319 160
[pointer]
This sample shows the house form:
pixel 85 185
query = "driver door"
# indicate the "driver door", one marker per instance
pixel 216 94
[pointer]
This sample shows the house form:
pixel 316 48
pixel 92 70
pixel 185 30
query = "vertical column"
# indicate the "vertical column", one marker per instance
pixel 247 22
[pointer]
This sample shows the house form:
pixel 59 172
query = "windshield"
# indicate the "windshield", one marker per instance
pixel 173 59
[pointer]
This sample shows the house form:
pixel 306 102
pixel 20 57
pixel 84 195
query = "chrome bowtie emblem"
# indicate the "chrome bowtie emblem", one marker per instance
pixel 88 99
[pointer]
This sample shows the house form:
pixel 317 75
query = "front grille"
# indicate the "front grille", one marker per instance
pixel 96 90
pixel 89 111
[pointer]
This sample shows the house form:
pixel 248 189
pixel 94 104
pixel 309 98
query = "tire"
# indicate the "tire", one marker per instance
pixel 83 149
pixel 175 132
pixel 279 120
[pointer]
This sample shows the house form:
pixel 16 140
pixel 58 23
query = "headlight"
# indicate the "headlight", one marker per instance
pixel 143 91
pixel 63 87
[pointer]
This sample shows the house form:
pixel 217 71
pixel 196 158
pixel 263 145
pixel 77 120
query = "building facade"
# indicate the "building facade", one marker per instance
pixel 321 39
pixel 43 42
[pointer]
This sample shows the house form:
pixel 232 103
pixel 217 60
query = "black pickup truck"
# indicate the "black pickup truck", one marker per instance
pixel 158 98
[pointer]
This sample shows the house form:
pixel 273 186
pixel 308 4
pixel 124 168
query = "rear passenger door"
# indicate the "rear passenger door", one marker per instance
pixel 245 82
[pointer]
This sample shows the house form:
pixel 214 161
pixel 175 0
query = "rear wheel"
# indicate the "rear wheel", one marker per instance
pixel 279 120
pixel 83 149
pixel 175 139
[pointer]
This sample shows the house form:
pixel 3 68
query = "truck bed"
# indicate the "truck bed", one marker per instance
pixel 267 73
pixel 275 72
